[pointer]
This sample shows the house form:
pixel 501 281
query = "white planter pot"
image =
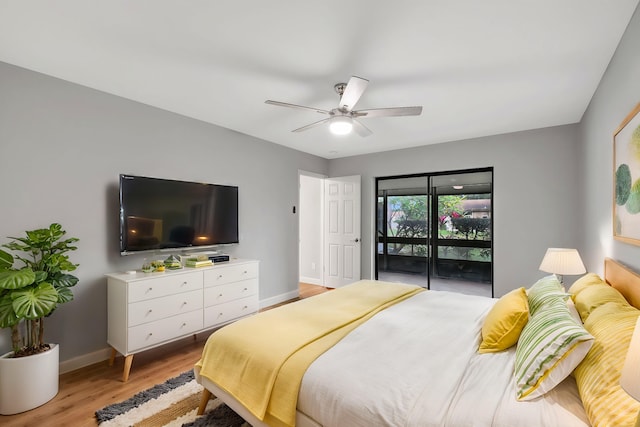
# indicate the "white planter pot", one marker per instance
pixel 28 382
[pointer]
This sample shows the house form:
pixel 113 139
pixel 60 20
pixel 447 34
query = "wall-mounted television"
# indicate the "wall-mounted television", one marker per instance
pixel 163 214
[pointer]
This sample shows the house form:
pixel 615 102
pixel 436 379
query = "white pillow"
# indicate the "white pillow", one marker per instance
pixel 574 311
pixel 550 346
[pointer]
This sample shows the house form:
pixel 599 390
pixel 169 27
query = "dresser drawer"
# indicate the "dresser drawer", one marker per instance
pixel 171 328
pixel 232 273
pixel 162 286
pixel 229 292
pixel 159 308
pixel 222 313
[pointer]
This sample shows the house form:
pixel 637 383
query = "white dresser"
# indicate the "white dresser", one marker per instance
pixel 146 310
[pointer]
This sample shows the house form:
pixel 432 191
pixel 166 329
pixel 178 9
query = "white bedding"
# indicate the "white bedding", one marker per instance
pixel 416 364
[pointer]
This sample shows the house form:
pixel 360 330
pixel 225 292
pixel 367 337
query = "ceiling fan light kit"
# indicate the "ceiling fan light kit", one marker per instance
pixel 343 119
pixel 340 125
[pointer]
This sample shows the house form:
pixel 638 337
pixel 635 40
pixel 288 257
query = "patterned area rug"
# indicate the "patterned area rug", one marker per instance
pixel 171 404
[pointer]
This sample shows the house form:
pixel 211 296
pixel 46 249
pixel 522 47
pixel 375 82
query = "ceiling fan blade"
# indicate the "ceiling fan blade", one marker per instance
pixel 285 104
pixel 361 129
pixel 309 126
pixel 388 112
pixel 352 92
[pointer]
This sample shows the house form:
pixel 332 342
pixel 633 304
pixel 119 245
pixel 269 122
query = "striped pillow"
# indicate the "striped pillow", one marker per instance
pixel 546 289
pixel 598 376
pixel 551 345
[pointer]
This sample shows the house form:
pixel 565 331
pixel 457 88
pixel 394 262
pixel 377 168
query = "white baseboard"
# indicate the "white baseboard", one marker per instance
pixel 85 360
pixel 278 299
pixel 312 281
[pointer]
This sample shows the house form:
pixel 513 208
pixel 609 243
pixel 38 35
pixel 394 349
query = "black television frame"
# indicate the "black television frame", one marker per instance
pixel 184 248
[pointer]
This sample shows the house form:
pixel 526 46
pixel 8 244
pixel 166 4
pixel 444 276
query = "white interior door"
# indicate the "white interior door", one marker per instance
pixel 341 231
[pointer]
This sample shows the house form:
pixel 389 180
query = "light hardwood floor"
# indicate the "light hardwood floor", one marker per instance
pixel 88 389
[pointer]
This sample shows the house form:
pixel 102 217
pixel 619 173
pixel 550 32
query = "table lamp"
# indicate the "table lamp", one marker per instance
pixel 630 376
pixel 561 261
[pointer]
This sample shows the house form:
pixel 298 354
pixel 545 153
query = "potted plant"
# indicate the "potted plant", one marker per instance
pixel 31 290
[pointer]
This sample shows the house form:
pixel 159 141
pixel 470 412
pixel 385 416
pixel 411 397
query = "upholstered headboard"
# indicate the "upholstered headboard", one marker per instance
pixel 624 279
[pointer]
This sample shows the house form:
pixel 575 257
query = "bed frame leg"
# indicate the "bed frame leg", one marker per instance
pixel 206 395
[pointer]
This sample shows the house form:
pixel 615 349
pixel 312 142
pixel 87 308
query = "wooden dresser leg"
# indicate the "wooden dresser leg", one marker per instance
pixel 113 356
pixel 127 367
pixel 206 395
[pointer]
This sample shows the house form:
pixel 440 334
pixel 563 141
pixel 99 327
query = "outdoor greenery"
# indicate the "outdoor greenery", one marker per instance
pixel 407 217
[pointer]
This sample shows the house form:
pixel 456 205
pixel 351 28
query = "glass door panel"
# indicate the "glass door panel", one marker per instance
pixel 436 230
pixel 403 230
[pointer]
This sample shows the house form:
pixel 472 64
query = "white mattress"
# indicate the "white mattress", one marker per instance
pixel 416 364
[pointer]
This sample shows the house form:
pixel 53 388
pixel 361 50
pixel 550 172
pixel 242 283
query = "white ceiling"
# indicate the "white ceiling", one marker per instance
pixel 477 67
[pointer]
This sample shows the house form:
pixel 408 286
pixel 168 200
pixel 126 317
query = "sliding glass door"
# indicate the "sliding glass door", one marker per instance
pixel 435 230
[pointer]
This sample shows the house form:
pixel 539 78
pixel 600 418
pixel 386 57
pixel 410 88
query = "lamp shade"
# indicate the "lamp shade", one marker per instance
pixel 630 376
pixel 562 261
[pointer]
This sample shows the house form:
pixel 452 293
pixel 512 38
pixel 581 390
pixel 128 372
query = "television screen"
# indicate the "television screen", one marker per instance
pixel 162 214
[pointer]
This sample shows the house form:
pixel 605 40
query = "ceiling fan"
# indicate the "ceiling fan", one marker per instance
pixel 343 119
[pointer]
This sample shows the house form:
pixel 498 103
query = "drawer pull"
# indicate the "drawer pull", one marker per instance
pixel 220 296
pixel 183 325
pixel 150 311
pixel 184 283
pixel 150 289
pixel 150 334
pixel 245 289
pixel 244 272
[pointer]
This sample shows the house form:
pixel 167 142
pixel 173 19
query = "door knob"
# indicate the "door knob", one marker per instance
pixel 357 240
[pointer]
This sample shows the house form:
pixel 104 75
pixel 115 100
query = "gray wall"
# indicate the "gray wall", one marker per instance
pixel 617 95
pixel 62 147
pixel 535 181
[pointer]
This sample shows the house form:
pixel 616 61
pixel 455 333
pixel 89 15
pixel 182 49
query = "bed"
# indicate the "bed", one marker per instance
pixel 431 358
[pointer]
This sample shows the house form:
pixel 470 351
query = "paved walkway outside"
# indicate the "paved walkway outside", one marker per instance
pixel 453 285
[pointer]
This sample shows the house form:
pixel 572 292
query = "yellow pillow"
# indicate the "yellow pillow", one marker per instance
pixel 598 375
pixel 584 282
pixel 502 326
pixel 592 297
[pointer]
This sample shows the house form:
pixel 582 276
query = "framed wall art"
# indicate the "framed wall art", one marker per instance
pixel 626 179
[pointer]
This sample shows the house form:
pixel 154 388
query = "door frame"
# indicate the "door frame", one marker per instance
pixel 301 213
pixel 430 240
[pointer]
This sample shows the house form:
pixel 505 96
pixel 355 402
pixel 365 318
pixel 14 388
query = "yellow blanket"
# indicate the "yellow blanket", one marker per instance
pixel 260 360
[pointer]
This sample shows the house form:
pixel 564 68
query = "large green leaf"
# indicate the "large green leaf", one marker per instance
pixel 633 202
pixel 64 295
pixel 8 316
pixel 16 279
pixel 6 260
pixel 623 184
pixel 41 276
pixel 35 302
pixel 64 281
